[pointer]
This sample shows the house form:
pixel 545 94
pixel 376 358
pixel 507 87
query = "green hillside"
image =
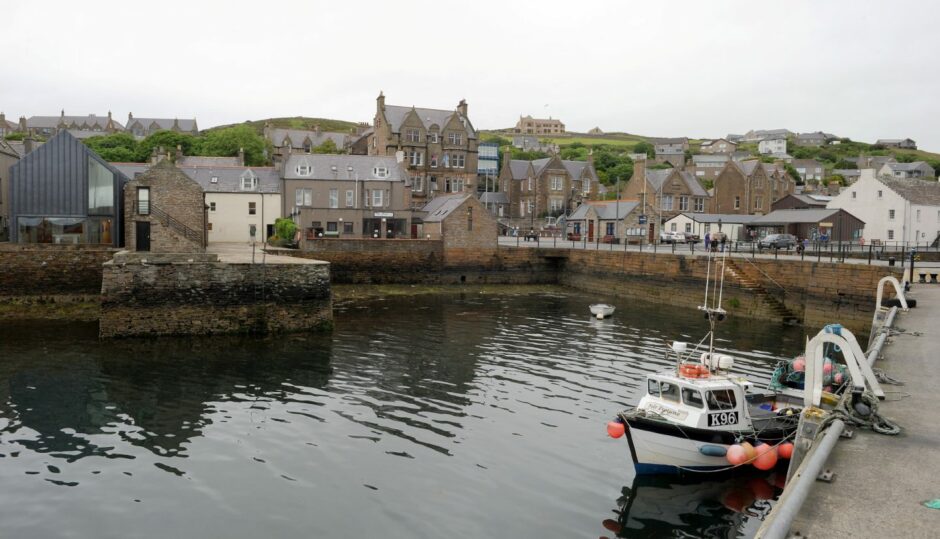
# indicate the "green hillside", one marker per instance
pixel 298 122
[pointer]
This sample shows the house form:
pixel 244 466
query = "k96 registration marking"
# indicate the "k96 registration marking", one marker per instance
pixel 722 418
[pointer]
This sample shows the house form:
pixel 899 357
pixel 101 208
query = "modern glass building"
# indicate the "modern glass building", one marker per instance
pixel 64 193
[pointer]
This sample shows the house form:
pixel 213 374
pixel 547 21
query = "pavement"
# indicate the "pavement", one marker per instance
pixel 882 481
pixel 245 253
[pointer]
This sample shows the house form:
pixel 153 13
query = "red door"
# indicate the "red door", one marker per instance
pixel 590 231
pixel 414 231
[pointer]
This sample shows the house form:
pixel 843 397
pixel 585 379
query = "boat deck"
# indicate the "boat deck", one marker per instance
pixel 882 481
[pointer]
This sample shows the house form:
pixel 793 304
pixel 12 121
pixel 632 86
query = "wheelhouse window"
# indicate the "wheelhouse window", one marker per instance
pixel 721 399
pixel 652 386
pixel 669 392
pixel 692 397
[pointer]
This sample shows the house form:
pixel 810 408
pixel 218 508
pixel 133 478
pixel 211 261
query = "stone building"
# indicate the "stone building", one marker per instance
pixel 461 222
pixel 608 220
pixel 7 127
pixel 439 147
pixel 815 139
pixel 527 125
pixel 669 191
pixel 902 143
pixel 546 187
pixel 142 127
pixel 707 166
pixel 288 141
pixel 671 150
pixel 78 126
pixel 331 195
pixel 165 212
pixel 8 158
pixel 750 187
pixel 718 146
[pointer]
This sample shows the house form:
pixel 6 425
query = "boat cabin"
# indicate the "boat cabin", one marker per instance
pixel 716 402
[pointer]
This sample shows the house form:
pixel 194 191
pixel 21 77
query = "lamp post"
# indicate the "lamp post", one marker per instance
pixel 339 230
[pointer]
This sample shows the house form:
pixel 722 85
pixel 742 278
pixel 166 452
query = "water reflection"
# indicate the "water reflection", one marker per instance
pixel 669 506
pixel 416 416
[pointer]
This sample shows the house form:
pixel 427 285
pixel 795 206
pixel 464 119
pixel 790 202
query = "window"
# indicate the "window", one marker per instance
pixel 683 203
pixel 380 172
pixel 307 146
pixel 334 198
pixel 100 189
pixel 432 138
pixel 522 208
pixel 304 169
pixel 214 179
pixel 377 198
pixel 529 207
pixel 699 172
pixel 303 197
pixel 347 228
pixel 667 203
pixel 454 138
pixel 918 216
pixel 721 399
pixel 652 387
pixel 853 194
pixel 669 392
pixel 417 184
pixel 416 158
pixel 212 206
pixel 350 198
pixel 413 135
pixel 143 201
pixel 556 183
pixel 737 202
pixel 331 226
pixel 556 204
pixel 456 185
pixel 692 397
pixel 446 163
pixel 249 182
pixel 758 203
pixel 208 226
pixel 252 208
pixel 891 214
pixel 457 160
pixel 434 161
pixel 610 229
pixel 531 181
pixel 672 227
pixel 688 227
pixel 699 205
pixel 879 194
pixel 586 185
pixel 890 234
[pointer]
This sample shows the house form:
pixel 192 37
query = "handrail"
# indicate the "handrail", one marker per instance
pixel 182 228
pixel 764 273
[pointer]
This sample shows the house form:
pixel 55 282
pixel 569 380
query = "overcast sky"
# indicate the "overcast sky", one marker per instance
pixel 860 69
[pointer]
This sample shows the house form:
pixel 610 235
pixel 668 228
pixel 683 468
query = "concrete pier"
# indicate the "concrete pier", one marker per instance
pixel 882 481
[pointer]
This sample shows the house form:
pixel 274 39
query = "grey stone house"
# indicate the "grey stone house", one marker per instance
pixel 718 146
pixel 546 187
pixel 63 192
pixel 8 158
pixel 330 195
pixel 78 126
pixel 6 127
pixel 917 169
pixel 902 143
pixel 142 127
pixel 811 139
pixel 671 150
pixel 439 147
pixel 288 141
pixel 166 211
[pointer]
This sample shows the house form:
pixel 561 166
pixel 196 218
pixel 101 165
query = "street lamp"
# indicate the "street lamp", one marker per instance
pixel 339 231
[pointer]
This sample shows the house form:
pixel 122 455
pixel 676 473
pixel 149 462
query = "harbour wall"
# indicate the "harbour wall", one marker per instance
pixel 40 270
pixel 182 295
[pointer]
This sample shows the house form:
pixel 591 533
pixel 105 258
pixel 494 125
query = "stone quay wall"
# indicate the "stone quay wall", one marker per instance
pixel 371 261
pixel 203 298
pixel 51 270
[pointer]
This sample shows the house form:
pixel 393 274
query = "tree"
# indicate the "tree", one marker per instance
pixel 624 171
pixel 285 228
pixel 905 157
pixel 328 146
pixel 169 141
pixel 227 143
pixel 116 147
pixel 645 147
pixel 843 163
pixel 793 173
pixel 570 153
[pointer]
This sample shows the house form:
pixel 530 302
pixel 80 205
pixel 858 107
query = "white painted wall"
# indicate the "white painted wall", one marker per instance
pixel 769 146
pixel 687 224
pixel 231 220
pixel 872 202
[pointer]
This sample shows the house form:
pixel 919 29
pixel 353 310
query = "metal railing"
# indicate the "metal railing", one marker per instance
pixel 181 228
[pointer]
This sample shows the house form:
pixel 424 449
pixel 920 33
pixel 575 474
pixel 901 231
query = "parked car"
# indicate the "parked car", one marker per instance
pixel 671 237
pixel 777 241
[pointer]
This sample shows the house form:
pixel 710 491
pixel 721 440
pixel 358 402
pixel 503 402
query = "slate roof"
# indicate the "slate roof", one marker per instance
pixel 806 163
pixel 82 134
pixel 443 205
pixel 204 161
pixel 812 199
pixel 53 121
pixel 667 140
pixel 228 179
pixel 749 166
pixel 498 197
pixel 907 167
pixel 847 172
pixel 818 135
pixel 7 149
pixel 395 115
pixel 709 158
pixel 348 167
pixel 892 140
pixel 519 169
pixel 730 218
pixel 656 178
pixel 784 217
pixel 925 192
pixel 184 124
pixel 609 210
pixel 297 137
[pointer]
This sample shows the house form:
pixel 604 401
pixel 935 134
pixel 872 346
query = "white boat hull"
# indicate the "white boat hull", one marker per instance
pixel 602 310
pixel 654 452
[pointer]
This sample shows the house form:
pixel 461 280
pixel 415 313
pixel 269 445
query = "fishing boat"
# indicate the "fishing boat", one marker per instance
pixel 602 310
pixel 697 416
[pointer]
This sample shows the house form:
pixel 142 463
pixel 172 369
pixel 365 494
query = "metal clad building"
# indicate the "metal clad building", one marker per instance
pixel 65 193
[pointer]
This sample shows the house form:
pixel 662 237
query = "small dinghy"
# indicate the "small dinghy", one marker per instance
pixel 602 310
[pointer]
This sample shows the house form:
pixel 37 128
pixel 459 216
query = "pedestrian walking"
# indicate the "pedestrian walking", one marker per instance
pixel 724 238
pixel 708 240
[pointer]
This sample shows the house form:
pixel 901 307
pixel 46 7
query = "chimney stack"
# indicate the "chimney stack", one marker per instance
pixel 462 108
pixel 179 152
pixel 241 157
pixel 23 124
pixel 380 102
pixel 316 129
pixel 27 144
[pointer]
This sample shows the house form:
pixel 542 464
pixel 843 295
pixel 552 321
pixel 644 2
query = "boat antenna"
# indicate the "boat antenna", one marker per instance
pixel 713 312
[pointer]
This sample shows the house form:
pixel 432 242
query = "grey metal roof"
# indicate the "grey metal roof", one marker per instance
pixel 296 137
pixel 441 206
pixel 395 115
pixel 926 192
pixel 227 179
pixel 812 200
pixel 806 163
pixel 82 134
pixel 785 217
pixel 730 218
pixel 183 124
pixel 343 167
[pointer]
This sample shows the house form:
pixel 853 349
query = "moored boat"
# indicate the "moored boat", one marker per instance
pixel 602 310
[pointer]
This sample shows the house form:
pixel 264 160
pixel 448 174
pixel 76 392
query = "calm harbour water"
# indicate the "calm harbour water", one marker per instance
pixel 429 416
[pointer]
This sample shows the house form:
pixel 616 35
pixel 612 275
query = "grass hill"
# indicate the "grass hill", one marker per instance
pixel 298 122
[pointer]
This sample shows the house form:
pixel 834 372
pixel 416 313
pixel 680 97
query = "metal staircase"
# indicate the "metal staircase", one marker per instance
pixel 750 280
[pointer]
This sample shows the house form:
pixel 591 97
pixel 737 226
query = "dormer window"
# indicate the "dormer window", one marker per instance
pixel 304 169
pixel 286 142
pixel 214 179
pixel 380 172
pixel 249 182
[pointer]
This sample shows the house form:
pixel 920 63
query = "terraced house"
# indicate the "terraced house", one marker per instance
pixel 78 126
pixel 439 147
pixel 750 187
pixel 669 191
pixel 289 141
pixel 546 187
pixel 142 127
